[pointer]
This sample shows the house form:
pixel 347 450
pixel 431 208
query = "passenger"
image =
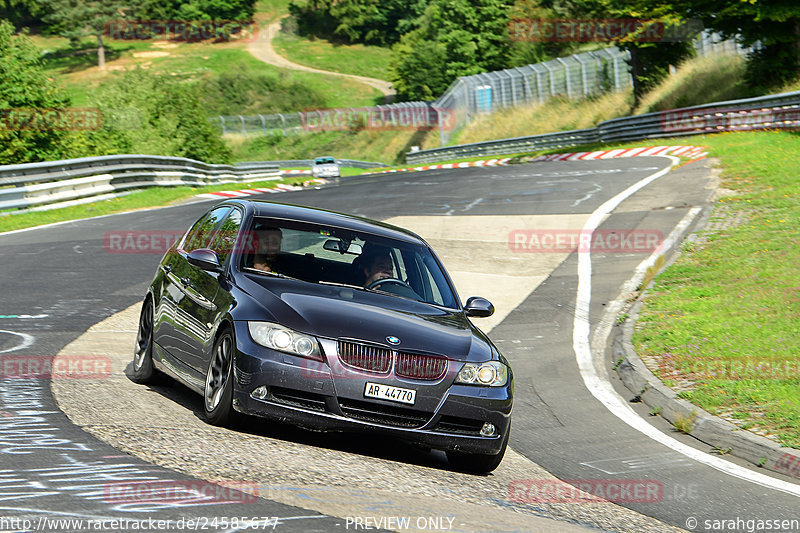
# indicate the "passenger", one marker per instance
pixel 268 247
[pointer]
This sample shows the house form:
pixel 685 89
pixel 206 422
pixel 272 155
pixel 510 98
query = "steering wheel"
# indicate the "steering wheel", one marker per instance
pixel 394 281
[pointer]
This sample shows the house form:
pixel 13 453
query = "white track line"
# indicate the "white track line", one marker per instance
pixel 602 389
pixel 27 340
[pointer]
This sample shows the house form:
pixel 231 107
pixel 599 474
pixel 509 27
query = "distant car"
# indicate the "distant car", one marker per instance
pixel 326 167
pixel 330 322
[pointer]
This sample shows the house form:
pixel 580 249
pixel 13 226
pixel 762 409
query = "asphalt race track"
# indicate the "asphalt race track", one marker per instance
pixel 490 226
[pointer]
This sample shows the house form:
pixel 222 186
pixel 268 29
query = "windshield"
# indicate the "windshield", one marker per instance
pixel 325 161
pixel 328 255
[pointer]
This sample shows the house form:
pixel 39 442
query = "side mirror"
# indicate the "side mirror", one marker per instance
pixel 206 259
pixel 479 307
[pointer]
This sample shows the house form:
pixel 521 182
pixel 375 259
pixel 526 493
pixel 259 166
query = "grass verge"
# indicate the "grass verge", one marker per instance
pixel 356 59
pixel 715 78
pixel 722 321
pixel 366 145
pixel 556 114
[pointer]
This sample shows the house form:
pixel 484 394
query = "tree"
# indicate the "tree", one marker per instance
pixel 380 22
pixel 468 37
pixel 77 19
pixel 197 10
pixel 19 12
pixel 145 113
pixel 649 61
pixel 420 74
pixel 26 91
pixel 773 24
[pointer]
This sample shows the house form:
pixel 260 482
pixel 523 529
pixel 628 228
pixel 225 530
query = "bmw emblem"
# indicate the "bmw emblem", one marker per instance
pixel 392 340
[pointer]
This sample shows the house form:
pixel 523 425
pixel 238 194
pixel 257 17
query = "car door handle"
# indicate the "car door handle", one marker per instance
pixel 167 269
pixel 185 282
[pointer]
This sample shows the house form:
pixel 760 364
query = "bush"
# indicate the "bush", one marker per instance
pixel 241 91
pixel 155 114
pixel 770 67
pixel 241 10
pixel 25 86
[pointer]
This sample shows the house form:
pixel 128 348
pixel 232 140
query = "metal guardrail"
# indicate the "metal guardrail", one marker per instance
pixel 293 163
pixel 61 183
pixel 780 111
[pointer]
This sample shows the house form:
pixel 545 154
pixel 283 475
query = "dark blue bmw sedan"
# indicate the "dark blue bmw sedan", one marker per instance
pixel 330 322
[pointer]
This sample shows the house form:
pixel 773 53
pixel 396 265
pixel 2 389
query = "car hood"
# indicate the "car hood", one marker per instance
pixel 340 312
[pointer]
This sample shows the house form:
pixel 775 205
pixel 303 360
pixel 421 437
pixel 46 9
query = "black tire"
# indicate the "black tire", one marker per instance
pixel 478 463
pixel 218 392
pixel 143 370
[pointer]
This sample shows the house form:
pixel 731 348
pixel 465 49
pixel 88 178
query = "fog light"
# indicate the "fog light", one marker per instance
pixel 261 392
pixel 488 430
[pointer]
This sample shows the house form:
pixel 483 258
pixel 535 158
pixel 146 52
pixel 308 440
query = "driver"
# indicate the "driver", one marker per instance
pixel 268 248
pixel 376 264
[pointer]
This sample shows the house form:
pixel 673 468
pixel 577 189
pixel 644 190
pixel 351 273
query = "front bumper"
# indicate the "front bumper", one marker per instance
pixel 304 392
pixel 326 173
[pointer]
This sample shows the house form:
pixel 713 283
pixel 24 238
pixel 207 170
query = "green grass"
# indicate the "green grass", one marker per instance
pixel 556 114
pixel 357 59
pixel 725 315
pixel 716 78
pixel 387 147
pixel 270 10
pixel 146 198
pixel 76 69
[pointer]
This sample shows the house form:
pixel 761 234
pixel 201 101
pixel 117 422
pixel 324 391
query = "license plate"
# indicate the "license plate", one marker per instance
pixel 387 392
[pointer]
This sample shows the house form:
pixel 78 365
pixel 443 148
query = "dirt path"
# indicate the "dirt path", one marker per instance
pixel 262 49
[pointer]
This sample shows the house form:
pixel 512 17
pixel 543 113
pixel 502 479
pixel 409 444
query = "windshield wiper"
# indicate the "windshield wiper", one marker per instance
pixel 348 285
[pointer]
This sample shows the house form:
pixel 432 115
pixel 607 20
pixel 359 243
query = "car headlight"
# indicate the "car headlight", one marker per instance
pixel 283 339
pixel 488 374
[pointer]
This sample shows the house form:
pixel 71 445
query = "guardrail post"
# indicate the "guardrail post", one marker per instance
pixel 583 75
pixel 539 92
pixel 552 81
pixel 566 76
pixel 244 129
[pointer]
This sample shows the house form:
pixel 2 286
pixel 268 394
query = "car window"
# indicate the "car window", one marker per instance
pixel 205 229
pixel 225 237
pixel 321 254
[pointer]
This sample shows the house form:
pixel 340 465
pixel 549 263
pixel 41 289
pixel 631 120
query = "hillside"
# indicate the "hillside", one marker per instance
pixel 697 81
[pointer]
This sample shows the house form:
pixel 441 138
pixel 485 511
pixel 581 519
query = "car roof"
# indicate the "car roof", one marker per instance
pixel 327 218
